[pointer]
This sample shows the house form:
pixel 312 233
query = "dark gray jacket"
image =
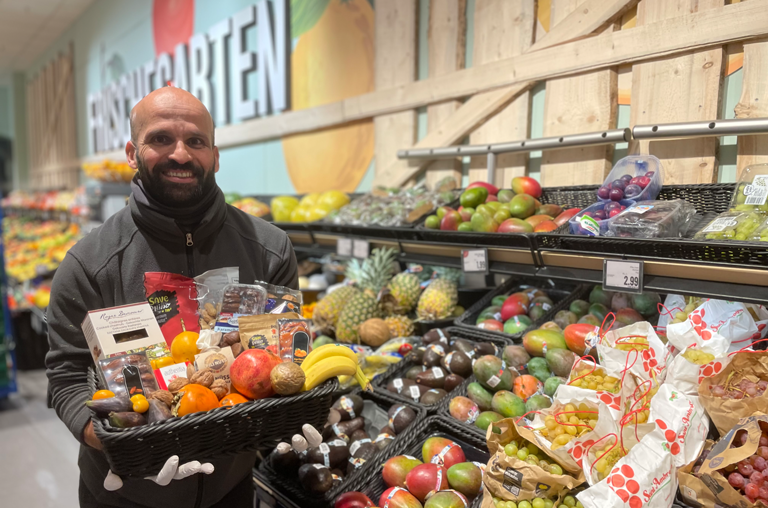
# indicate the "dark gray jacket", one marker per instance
pixel 105 269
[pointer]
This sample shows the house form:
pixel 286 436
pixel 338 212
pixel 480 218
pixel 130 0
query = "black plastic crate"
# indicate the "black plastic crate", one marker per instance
pixel 443 410
pixel 561 295
pixel 292 490
pixel 399 369
pixel 467 298
pixel 475 450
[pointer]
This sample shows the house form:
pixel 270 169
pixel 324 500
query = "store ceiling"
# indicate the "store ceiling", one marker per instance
pixel 28 27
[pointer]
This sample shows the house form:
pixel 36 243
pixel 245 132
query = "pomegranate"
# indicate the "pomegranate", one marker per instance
pixel 250 371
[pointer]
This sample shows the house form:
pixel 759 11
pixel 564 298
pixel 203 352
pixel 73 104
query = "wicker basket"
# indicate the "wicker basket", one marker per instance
pixel 142 451
pixel 371 482
pixel 399 369
pixel 296 493
pixel 562 299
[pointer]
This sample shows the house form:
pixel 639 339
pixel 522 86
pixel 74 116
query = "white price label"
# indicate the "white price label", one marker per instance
pixel 360 248
pixel 344 247
pixel 626 276
pixel 474 261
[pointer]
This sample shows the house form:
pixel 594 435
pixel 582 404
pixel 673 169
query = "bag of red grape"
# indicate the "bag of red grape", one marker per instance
pixel 681 423
pixel 637 348
pixel 713 322
pixel 738 391
pixel 596 383
pixel 692 489
pixel 745 448
pixel 687 370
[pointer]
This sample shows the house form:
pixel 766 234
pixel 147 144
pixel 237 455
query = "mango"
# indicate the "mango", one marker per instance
pixel 537 402
pixel 432 222
pixel 545 227
pixel 515 226
pixel 527 185
pixel 522 206
pixel 543 301
pixel 526 386
pixel 646 303
pixel 508 404
pixel 537 312
pixel 551 384
pixel 564 318
pixel 589 319
pixel 466 478
pixel 494 205
pixel 486 370
pixel 501 215
pixel 491 324
pixel 515 305
pixel 498 300
pixel 560 362
pixel 479 396
pixel 516 356
pixel 535 220
pixel 435 447
pixel 598 295
pixel 425 478
pixel 551 325
pixel 619 301
pixel 517 324
pixel 396 469
pixel 443 210
pixel 579 307
pixel 492 312
pixel 400 499
pixel 463 409
pixel 599 311
pixel 626 317
pixel 485 210
pixel 483 223
pixel 550 209
pixel 539 369
pixel 473 197
pixel 535 341
pixel 505 195
pixel 466 227
pixel 486 418
pixel 447 499
pixel 575 336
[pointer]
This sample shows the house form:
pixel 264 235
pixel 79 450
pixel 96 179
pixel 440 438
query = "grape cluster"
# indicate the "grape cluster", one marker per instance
pixel 530 453
pixel 608 455
pixel 692 303
pixel 584 377
pixel 538 502
pixel 750 475
pixel 698 357
pixel 743 389
pixel 561 428
pixel 738 226
pixel 630 343
pixel 625 187
pixel 741 200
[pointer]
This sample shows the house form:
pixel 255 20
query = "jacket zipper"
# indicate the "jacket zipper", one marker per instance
pixel 190 256
pixel 199 497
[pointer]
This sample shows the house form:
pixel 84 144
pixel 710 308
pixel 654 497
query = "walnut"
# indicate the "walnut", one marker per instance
pixel 177 384
pixel 163 396
pixel 220 388
pixel 202 377
pixel 190 370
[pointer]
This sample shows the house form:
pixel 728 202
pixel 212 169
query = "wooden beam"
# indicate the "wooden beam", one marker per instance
pixel 395 64
pixel 679 89
pixel 583 103
pixel 753 104
pixel 481 106
pixel 502 29
pixel 447 47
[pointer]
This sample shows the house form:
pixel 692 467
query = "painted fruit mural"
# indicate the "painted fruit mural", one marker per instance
pixel 332 60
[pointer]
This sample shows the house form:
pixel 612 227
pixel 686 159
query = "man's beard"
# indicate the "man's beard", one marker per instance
pixel 176 194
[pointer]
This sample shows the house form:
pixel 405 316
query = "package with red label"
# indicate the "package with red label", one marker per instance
pixel 173 299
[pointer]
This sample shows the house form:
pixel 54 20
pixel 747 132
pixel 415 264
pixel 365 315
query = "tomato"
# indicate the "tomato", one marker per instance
pixel 103 394
pixel 196 398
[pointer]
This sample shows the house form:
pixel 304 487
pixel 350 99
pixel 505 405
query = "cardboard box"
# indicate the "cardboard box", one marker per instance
pixel 122 330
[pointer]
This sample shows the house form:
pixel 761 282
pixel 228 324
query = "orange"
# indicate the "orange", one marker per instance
pixel 184 347
pixel 332 61
pixel 232 399
pixel 195 398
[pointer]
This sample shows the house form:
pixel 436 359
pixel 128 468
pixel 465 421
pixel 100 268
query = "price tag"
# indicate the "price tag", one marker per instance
pixel 360 248
pixel 344 247
pixel 474 260
pixel 626 276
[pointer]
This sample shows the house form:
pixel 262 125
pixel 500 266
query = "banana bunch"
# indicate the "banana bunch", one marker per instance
pixel 383 360
pixel 329 361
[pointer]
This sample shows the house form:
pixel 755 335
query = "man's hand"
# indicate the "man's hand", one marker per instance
pixel 89 436
pixel 170 471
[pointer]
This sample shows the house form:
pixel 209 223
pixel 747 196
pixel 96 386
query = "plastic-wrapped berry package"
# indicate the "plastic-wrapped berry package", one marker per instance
pixel 636 177
pixel 653 219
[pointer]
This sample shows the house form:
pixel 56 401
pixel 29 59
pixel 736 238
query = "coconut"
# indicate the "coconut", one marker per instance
pixel 374 332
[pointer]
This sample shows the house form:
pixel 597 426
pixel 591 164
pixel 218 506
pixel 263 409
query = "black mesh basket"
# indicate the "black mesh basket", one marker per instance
pixel 399 369
pixel 561 296
pixel 293 490
pixel 221 432
pixel 372 484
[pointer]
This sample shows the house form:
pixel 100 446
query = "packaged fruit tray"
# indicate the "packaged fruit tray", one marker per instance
pixel 142 451
pixel 290 486
pixel 709 201
pixel 396 379
pixel 559 297
pixel 473 449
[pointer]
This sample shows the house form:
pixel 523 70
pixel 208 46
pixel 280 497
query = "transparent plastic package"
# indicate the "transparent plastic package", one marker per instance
pixel 635 177
pixel 653 219
pixel 129 375
pixel 731 225
pixel 595 219
pixel 751 194
pixel 761 233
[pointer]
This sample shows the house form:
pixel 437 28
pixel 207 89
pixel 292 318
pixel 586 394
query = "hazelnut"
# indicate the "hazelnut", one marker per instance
pixel 163 396
pixel 220 388
pixel 202 377
pixel 177 384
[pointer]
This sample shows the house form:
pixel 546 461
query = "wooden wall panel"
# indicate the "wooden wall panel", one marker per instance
pixel 502 29
pixel 678 89
pixel 396 62
pixel 583 103
pixel 753 103
pixel 447 48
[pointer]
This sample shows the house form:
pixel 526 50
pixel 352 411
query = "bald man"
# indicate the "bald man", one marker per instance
pixel 177 221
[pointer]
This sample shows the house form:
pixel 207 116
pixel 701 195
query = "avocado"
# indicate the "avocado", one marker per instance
pixel 452 381
pixel 343 429
pixel 315 478
pixel 437 336
pixel 433 355
pixel 417 355
pixel 432 378
pixel 463 345
pixel 358 435
pixel 288 462
pixel 433 396
pixel 485 348
pixel 457 362
pixel 331 454
pixel 400 385
pixel 400 417
pixel 363 449
pixel 413 371
pixel 348 406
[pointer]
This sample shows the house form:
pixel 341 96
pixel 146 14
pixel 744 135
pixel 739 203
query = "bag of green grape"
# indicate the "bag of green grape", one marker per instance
pixel 720 325
pixel 512 478
pixel 681 421
pixel 688 369
pixel 635 348
pixel 597 383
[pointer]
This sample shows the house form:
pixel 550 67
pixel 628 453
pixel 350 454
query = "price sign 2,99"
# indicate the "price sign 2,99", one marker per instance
pixel 625 276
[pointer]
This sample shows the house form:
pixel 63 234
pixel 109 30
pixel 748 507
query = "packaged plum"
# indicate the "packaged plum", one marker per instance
pixel 751 194
pixel 731 225
pixel 595 219
pixel 636 177
pixel 653 219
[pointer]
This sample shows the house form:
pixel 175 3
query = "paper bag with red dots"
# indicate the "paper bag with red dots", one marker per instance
pixel 738 391
pixel 637 348
pixel 743 447
pixel 644 478
pixel 681 424
pixel 579 381
pixel 686 376
pixel 760 315
pixel 693 490
pixel 717 324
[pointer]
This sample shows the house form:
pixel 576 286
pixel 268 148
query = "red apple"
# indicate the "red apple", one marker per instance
pixel 526 185
pixel 492 189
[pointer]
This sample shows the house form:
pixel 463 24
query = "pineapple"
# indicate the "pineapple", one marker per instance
pixel 405 288
pixel 438 300
pixel 399 326
pixel 371 277
pixel 328 309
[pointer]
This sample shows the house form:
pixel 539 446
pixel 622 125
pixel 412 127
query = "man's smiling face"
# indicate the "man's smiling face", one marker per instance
pixel 172 147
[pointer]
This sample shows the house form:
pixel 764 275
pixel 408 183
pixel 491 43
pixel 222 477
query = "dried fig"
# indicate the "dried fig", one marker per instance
pixel 177 384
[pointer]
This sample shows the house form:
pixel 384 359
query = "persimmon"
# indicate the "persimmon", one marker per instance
pixel 195 398
pixel 232 399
